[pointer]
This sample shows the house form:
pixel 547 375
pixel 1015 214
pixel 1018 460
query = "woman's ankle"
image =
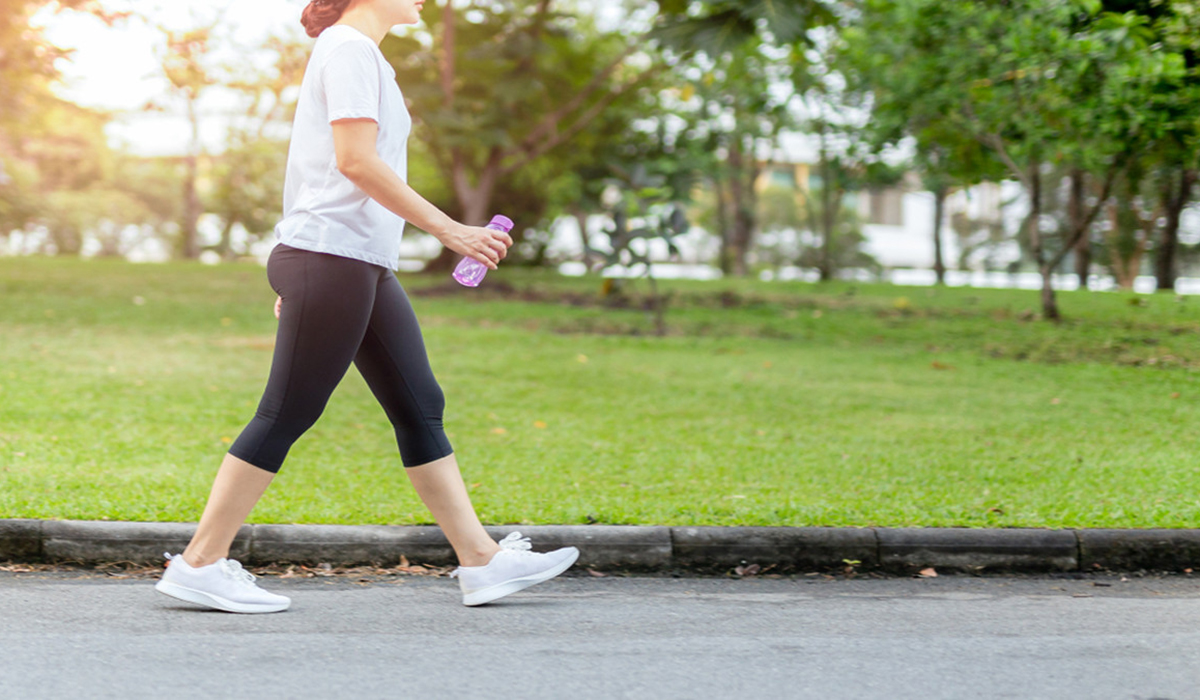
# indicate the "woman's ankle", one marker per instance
pixel 479 557
pixel 197 560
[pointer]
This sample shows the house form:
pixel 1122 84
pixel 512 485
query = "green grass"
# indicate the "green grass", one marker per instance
pixel 766 404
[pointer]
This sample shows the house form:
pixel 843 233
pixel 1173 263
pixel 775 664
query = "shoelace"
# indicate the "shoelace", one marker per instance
pixel 230 567
pixel 233 569
pixel 514 543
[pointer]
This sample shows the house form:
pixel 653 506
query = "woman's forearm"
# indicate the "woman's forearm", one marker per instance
pixel 381 183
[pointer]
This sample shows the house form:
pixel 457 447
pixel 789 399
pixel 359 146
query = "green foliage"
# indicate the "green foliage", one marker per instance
pixel 641 214
pixel 1036 83
pixel 248 185
pixel 718 27
pixel 495 120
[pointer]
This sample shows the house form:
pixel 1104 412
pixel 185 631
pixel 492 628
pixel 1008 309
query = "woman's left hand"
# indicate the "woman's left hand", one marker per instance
pixel 278 306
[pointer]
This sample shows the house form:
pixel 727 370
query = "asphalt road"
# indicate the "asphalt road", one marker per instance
pixel 70 635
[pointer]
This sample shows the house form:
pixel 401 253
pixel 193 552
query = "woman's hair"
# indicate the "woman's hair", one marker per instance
pixel 321 14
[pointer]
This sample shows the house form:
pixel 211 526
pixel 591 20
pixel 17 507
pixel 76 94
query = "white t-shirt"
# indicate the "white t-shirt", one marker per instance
pixel 323 211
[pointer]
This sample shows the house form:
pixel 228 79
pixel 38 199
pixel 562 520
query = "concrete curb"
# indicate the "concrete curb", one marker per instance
pixel 634 548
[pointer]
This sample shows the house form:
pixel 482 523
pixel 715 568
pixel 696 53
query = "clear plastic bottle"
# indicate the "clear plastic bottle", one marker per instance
pixel 470 271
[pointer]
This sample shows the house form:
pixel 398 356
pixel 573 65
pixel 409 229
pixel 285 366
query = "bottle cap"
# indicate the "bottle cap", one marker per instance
pixel 502 222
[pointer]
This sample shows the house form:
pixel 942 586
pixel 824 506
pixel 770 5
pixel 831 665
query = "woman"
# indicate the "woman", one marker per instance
pixel 339 302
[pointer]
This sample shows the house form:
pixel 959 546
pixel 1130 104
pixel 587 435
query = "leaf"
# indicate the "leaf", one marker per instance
pixel 928 573
pixel 747 570
pixel 597 574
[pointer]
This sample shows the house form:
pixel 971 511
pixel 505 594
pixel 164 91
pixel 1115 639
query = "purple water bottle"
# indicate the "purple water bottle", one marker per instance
pixel 470 271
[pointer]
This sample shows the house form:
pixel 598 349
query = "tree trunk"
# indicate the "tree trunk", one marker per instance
pixel 190 245
pixel 1083 248
pixel 581 219
pixel 737 193
pixel 1165 256
pixel 1049 302
pixel 724 228
pixel 939 213
pixel 474 201
pixel 225 247
pixel 827 220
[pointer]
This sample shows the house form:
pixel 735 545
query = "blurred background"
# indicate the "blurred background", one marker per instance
pixel 1026 144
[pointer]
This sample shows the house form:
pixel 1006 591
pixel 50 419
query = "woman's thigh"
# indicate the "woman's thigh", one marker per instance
pixel 394 363
pixel 327 303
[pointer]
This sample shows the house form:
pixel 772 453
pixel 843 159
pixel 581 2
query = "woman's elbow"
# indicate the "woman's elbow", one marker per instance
pixel 352 167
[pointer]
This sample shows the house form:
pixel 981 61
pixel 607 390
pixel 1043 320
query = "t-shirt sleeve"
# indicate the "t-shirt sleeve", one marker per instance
pixel 351 81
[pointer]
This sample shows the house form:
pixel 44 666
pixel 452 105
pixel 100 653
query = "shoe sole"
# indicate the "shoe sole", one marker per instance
pixel 487 595
pixel 209 600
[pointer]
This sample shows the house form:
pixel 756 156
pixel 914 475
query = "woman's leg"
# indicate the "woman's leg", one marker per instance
pixel 393 361
pixel 327 302
pixel 440 486
pixel 237 488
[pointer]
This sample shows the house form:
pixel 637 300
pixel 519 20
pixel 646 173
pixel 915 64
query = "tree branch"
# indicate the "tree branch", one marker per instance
pixel 531 152
pixel 1117 168
pixel 550 123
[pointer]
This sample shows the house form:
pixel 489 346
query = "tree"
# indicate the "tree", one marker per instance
pixel 1038 83
pixel 185 65
pixel 882 76
pixel 248 177
pixel 494 88
pixel 740 51
pixel 28 106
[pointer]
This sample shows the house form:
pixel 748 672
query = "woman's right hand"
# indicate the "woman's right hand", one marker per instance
pixel 486 245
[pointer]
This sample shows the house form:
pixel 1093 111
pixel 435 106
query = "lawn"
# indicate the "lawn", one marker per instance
pixel 121 386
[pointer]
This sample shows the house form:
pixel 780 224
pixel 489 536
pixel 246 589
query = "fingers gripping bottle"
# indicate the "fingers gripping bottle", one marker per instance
pixel 470 271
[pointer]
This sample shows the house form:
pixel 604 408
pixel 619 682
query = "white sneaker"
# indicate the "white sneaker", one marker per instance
pixel 224 585
pixel 513 568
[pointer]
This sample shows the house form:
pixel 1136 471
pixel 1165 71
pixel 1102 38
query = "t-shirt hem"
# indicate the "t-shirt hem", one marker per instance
pixel 393 265
pixel 353 114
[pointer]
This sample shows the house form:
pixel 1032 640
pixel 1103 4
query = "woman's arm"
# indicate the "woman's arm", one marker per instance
pixel 357 159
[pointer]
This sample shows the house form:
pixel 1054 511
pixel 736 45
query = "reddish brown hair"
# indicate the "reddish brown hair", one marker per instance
pixel 322 14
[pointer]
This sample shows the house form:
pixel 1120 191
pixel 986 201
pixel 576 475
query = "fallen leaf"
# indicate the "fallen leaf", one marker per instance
pixel 1055 401
pixel 582 359
pixel 539 424
pixel 1175 395
pixel 747 570
pixel 597 574
pixel 928 573
pixel 941 365
pixel 498 431
pixel 227 440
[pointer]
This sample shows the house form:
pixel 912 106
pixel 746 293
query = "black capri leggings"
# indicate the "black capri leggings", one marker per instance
pixel 337 310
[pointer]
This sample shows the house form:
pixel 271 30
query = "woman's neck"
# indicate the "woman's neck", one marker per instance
pixel 363 17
